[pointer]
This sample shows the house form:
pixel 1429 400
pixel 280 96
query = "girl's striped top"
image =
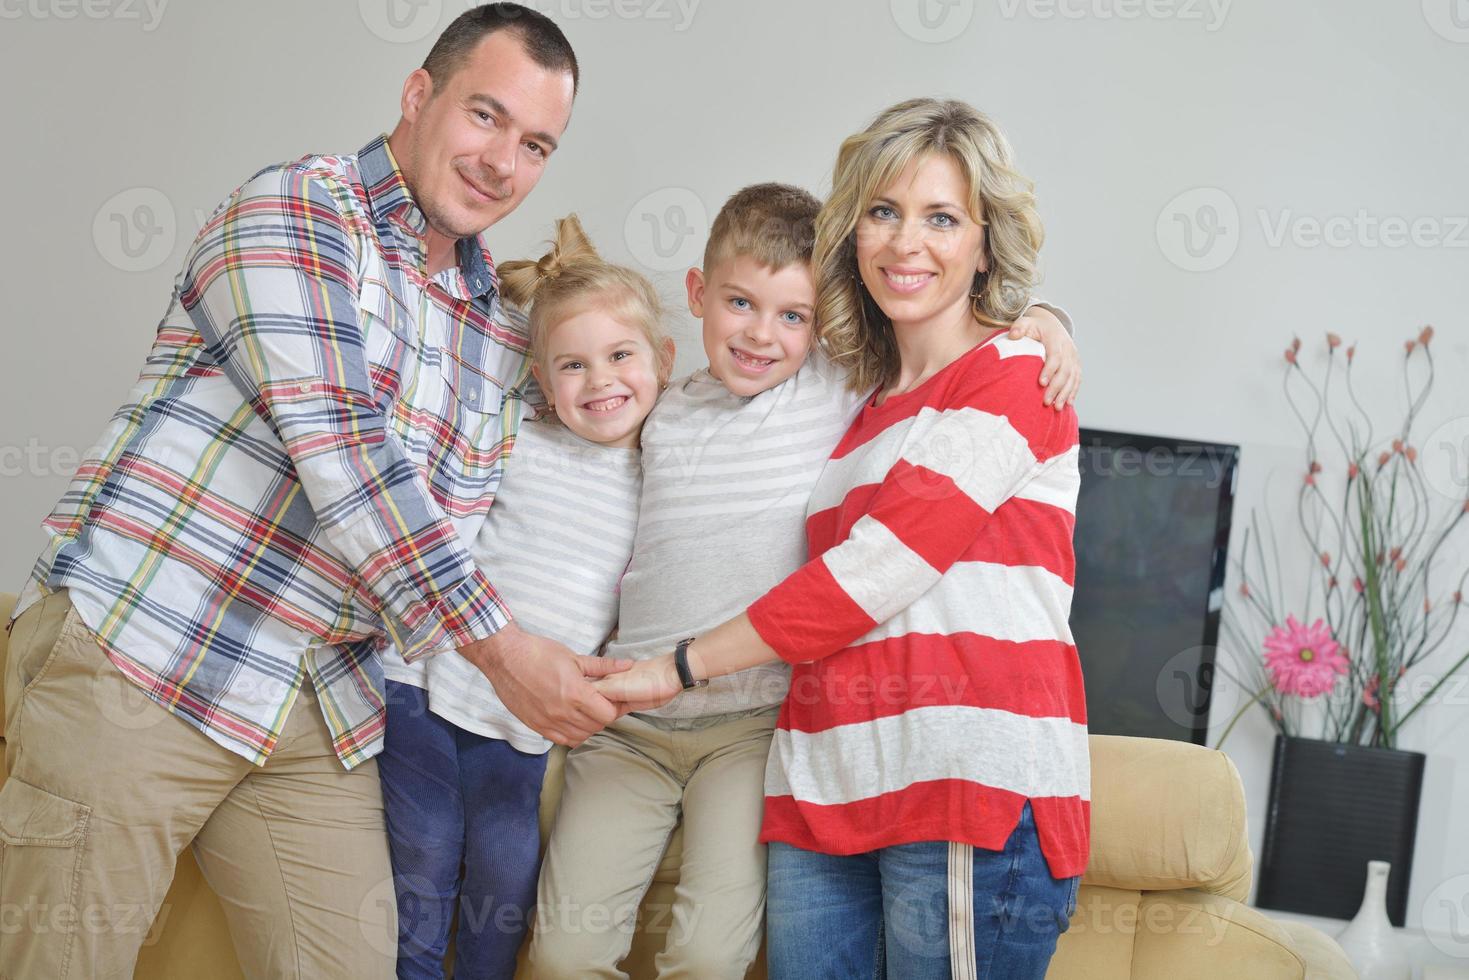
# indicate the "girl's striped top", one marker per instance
pixel 936 686
pixel 556 541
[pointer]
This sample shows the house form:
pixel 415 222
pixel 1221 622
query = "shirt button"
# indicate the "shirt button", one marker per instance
pixel 474 396
pixel 305 387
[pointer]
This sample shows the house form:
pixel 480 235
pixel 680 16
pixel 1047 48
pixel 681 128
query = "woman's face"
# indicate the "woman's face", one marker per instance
pixel 918 247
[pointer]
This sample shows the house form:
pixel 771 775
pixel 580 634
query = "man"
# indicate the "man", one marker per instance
pixel 320 424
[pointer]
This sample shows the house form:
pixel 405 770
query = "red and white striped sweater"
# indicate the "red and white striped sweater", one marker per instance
pixel 936 686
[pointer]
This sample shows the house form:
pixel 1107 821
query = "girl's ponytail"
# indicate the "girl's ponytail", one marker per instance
pixel 523 281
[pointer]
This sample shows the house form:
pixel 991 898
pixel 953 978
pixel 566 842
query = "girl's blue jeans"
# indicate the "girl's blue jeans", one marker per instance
pixel 464 838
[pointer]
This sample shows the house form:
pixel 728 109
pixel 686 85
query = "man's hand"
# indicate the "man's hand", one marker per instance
pixel 1061 375
pixel 545 684
pixel 649 684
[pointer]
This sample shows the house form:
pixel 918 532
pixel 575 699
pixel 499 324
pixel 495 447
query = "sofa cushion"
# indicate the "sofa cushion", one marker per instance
pixel 1098 944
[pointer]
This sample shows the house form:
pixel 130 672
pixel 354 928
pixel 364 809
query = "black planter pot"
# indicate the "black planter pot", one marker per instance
pixel 1333 808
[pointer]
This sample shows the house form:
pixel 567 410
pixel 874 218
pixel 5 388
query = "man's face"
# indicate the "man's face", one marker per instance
pixel 475 145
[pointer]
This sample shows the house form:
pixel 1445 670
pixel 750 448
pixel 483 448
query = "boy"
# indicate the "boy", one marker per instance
pixel 730 455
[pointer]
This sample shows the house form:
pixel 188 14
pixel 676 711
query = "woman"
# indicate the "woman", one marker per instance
pixel 926 795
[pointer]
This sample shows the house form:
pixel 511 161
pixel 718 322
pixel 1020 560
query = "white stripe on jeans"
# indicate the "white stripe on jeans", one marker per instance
pixel 961 912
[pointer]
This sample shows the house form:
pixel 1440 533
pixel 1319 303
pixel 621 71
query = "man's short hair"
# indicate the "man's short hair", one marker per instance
pixel 543 40
pixel 774 224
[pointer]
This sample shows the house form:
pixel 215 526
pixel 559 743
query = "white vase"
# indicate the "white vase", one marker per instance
pixel 1375 950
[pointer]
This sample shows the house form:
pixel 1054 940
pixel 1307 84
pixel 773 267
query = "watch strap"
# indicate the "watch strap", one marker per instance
pixel 681 664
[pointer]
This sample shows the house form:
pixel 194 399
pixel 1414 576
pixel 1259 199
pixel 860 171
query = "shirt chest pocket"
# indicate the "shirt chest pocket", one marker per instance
pixel 389 339
pixel 468 389
pixel 463 453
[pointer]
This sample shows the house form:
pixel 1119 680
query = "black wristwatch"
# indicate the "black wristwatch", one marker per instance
pixel 681 664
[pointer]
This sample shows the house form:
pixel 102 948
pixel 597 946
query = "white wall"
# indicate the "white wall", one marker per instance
pixel 1289 112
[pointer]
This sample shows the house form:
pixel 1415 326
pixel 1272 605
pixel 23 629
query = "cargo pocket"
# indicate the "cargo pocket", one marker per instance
pixel 42 840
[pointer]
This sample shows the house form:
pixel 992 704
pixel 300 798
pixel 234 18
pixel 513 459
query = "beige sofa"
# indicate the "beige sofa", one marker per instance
pixel 1161 900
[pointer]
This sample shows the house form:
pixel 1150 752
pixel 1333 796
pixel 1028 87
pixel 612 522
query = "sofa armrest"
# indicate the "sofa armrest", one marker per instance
pixel 1325 960
pixel 1193 934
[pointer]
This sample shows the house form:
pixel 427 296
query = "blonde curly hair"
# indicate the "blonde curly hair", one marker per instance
pixel 852 328
pixel 573 277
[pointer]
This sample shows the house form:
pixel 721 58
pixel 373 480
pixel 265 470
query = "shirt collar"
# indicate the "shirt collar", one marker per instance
pixel 388 196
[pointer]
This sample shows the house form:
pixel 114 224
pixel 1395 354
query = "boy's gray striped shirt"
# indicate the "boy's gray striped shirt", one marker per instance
pixel 723 517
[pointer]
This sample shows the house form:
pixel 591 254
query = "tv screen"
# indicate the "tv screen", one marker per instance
pixel 1152 528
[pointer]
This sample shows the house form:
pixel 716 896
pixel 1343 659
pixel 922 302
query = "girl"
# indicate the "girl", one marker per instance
pixel 461 775
pixel 927 789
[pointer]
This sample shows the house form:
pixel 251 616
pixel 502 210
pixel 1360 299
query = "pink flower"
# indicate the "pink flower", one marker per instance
pixel 1351 352
pixel 1352 471
pixel 1333 341
pixel 1290 356
pixel 1303 661
pixel 1425 336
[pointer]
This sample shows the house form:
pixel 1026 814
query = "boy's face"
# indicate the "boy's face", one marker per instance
pixel 757 321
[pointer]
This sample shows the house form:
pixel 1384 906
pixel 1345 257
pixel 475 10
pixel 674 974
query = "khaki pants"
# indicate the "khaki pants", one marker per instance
pixel 626 789
pixel 106 788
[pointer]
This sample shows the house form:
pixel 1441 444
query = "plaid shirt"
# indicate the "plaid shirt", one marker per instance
pixel 318 429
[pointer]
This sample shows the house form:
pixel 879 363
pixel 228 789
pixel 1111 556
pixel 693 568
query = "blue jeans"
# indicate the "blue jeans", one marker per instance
pixel 462 831
pixel 885 913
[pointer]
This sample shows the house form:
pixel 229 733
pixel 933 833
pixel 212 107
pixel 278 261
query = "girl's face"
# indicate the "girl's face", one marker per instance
pixel 918 247
pixel 600 375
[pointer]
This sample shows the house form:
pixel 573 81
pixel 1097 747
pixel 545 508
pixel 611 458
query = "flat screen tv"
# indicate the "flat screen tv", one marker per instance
pixel 1152 529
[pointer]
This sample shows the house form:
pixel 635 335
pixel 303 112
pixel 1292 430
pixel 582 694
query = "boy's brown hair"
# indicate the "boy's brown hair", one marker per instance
pixel 774 224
